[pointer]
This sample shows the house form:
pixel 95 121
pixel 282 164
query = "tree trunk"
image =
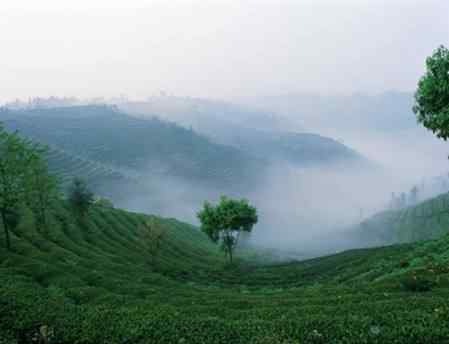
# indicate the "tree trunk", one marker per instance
pixel 5 227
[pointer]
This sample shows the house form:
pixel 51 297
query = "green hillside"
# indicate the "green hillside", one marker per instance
pixel 103 179
pixel 67 166
pixel 298 148
pixel 91 279
pixel 95 283
pixel 427 220
pixel 108 136
pixel 259 133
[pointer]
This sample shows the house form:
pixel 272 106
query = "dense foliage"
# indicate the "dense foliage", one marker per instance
pixel 153 233
pixel 24 181
pixel 432 95
pixel 225 222
pixel 80 198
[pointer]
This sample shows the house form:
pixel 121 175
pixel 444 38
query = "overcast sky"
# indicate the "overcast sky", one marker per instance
pixel 218 49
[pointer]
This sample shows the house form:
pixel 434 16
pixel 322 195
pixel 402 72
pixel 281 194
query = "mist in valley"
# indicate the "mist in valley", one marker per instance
pixel 308 210
pixel 250 81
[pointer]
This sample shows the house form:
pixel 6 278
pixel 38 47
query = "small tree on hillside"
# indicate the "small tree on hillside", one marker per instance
pixel 432 96
pixel 41 189
pixel 15 159
pixel 80 198
pixel 153 234
pixel 224 222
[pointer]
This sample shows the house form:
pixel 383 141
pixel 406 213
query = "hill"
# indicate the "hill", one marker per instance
pixel 143 164
pixel 259 133
pixel 95 282
pixel 139 146
pixel 426 220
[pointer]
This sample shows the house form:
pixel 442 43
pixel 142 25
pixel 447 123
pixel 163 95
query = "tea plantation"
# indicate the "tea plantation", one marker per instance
pixel 107 136
pixel 426 220
pixel 95 282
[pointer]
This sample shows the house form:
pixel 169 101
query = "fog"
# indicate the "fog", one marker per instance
pixel 303 210
pixel 310 209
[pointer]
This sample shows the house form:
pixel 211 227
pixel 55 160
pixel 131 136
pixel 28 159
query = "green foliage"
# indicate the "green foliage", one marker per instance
pixel 80 198
pixel 23 180
pixel 94 286
pixel 432 96
pixel 153 233
pixel 416 283
pixel 42 189
pixel 224 222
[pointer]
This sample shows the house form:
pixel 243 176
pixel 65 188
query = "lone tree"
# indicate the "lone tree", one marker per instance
pixel 432 95
pixel 80 198
pixel 153 234
pixel 17 158
pixel 42 188
pixel 224 222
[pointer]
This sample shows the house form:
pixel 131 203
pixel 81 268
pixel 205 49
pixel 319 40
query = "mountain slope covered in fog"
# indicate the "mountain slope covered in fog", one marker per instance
pixel 426 220
pixel 154 161
pixel 259 133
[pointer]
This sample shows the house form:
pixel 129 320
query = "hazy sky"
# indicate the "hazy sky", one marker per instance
pixel 219 49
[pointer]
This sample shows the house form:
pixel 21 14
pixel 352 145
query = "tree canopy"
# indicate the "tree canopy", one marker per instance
pixel 224 222
pixel 80 197
pixel 153 234
pixel 432 95
pixel 24 180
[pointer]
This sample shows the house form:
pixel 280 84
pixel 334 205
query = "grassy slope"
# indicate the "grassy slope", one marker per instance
pixel 95 283
pixel 427 220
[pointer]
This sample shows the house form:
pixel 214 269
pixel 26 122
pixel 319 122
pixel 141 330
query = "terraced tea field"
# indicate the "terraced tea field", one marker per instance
pixel 68 166
pixel 427 220
pixel 104 135
pixel 96 283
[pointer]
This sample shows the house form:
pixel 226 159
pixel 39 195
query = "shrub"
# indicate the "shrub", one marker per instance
pixel 416 283
pixel 404 264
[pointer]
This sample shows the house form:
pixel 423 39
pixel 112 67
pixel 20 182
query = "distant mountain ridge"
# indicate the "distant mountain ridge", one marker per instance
pixel 260 133
pixel 106 135
pixel 152 165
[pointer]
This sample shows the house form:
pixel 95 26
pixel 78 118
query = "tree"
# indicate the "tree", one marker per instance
pixel 80 198
pixel 224 222
pixel 16 155
pixel 432 95
pixel 153 234
pixel 41 188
